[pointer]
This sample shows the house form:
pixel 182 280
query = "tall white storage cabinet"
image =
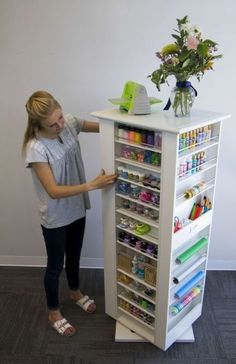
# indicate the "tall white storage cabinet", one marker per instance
pixel 157 218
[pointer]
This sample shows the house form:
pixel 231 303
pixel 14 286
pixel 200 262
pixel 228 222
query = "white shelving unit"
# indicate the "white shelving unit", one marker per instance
pixel 154 279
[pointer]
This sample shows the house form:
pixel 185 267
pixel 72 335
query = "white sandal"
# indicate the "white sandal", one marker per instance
pixel 61 326
pixel 84 303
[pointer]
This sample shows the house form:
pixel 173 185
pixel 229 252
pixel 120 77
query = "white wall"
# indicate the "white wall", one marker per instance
pixel 83 51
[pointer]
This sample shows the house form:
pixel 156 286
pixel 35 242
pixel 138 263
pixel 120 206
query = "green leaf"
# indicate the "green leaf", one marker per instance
pixel 182 21
pixel 184 55
pixel 156 78
pixel 209 43
pixel 176 37
pixel 218 56
pixel 186 63
pixel 202 49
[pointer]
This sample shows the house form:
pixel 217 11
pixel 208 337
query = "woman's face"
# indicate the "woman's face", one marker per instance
pixel 54 124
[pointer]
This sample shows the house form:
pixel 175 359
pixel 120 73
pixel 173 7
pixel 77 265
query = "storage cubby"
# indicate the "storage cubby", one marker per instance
pixel 157 218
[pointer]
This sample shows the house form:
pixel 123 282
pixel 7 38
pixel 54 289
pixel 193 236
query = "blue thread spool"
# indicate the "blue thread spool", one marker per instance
pixel 150 138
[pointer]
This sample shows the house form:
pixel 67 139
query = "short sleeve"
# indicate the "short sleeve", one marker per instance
pixel 35 152
pixel 74 123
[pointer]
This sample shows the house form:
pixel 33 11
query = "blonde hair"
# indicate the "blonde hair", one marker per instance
pixel 40 106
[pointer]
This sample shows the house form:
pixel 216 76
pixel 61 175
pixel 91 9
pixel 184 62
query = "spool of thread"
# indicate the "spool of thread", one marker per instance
pixel 157 139
pixel 138 136
pixel 144 137
pixel 126 133
pixel 150 138
pixel 120 132
pixel 131 135
pixel 120 170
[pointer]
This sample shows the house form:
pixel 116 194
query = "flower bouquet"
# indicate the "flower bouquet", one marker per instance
pixel 189 55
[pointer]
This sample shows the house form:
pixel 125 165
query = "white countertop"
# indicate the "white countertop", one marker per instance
pixel 163 120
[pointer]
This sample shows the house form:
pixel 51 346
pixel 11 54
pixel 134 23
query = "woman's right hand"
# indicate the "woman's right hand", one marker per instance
pixel 102 180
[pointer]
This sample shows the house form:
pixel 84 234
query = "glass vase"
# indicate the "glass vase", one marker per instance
pixel 182 99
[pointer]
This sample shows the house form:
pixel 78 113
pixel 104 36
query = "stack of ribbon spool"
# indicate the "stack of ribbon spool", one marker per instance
pixel 195 190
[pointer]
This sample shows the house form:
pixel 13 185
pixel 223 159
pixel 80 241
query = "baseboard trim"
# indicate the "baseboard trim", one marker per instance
pixel 221 265
pixel 28 261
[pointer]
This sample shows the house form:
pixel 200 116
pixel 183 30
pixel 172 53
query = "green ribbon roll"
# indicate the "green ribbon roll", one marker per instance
pixel 191 251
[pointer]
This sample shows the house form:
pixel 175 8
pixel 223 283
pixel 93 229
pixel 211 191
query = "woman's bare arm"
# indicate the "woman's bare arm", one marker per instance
pixel 45 175
pixel 90 127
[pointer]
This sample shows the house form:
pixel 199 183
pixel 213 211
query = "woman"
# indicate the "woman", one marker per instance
pixel 52 151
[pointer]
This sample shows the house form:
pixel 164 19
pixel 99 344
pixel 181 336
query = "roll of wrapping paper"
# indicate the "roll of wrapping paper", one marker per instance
pixel 174 309
pixel 187 254
pixel 181 276
pixel 189 285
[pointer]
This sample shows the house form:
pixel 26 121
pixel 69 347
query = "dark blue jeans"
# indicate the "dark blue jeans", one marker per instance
pixel 63 243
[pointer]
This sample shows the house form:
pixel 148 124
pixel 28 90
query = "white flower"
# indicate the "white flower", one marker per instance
pixel 185 27
pixel 195 31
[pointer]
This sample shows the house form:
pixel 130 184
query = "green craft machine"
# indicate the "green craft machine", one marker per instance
pixel 134 99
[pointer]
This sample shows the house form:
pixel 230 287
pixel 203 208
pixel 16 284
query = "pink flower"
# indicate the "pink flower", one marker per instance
pixel 192 42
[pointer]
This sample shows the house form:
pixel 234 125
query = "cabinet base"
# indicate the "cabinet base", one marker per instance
pixel 123 334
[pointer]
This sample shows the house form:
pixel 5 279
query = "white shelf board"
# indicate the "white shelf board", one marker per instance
pixel 146 237
pixel 193 172
pixel 136 278
pixel 125 245
pixel 123 334
pixel 163 121
pixel 137 145
pixel 137 217
pixel 199 148
pixel 137 201
pixel 141 294
pixel 180 200
pixel 140 321
pixel 146 166
pixel 152 314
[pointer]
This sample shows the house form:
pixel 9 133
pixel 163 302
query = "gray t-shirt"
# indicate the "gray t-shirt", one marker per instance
pixel 67 166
